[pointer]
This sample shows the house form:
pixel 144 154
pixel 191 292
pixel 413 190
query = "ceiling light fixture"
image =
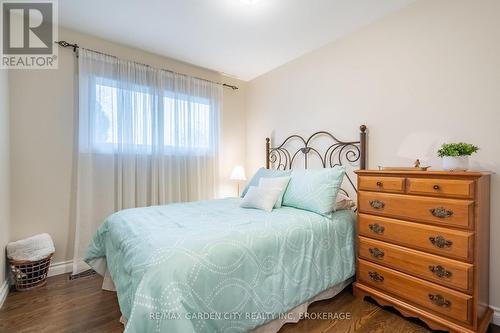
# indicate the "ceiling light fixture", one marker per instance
pixel 250 2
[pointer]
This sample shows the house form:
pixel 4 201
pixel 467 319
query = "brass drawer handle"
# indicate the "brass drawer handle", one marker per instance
pixel 439 300
pixel 377 204
pixel 441 212
pixel 376 277
pixel 440 271
pixel 380 184
pixel 440 242
pixel 376 228
pixel 376 253
pixel 436 187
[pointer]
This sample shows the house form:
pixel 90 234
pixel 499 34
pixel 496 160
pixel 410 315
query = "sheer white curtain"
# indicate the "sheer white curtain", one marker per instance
pixel 146 137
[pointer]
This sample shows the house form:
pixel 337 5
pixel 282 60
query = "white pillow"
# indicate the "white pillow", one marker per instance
pixel 261 198
pixel 343 202
pixel 275 182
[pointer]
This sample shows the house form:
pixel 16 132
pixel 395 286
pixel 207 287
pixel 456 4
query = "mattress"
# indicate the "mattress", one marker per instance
pixel 211 266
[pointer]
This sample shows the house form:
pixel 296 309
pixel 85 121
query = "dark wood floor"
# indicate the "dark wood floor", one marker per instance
pixel 81 306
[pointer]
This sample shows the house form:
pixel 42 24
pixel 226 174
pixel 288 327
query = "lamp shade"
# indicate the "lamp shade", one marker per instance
pixel 238 173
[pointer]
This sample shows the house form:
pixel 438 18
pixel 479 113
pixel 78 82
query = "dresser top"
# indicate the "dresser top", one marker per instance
pixel 473 174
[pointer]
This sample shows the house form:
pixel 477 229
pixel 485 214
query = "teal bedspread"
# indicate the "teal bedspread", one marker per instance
pixel 211 266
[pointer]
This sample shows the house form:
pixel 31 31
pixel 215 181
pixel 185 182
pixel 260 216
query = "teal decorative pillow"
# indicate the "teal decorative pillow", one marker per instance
pixel 267 173
pixel 314 189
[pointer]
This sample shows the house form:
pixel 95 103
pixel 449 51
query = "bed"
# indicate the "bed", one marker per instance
pixel 212 266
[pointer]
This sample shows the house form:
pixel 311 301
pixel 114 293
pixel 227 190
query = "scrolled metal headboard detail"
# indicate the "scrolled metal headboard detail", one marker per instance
pixel 338 153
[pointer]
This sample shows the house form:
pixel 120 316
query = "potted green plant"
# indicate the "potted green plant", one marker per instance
pixel 456 155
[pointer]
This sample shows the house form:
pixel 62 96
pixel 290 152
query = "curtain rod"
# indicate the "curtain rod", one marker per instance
pixel 75 46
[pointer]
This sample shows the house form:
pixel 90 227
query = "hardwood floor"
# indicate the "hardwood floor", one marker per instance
pixel 62 306
pixel 81 306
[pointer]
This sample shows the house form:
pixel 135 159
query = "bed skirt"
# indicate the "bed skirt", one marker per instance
pixel 293 316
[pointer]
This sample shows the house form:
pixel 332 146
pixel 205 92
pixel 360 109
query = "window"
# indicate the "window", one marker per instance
pixel 144 119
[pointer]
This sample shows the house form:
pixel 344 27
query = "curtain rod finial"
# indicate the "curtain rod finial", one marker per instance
pixel 230 86
pixel 64 43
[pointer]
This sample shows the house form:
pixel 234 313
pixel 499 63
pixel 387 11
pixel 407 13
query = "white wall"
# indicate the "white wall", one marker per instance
pixel 42 131
pixel 425 75
pixel 4 172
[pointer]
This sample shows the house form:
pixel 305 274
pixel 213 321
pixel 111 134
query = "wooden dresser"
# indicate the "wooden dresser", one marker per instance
pixel 423 245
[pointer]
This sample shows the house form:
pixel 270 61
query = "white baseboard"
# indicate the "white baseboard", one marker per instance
pixel 496 315
pixel 61 267
pixel 4 290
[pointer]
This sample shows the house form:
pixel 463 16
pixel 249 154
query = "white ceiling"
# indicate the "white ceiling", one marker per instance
pixel 229 36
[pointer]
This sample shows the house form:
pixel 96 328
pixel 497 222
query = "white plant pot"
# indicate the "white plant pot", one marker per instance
pixel 456 163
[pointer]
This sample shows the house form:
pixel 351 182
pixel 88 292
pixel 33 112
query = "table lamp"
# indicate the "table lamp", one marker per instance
pixel 238 174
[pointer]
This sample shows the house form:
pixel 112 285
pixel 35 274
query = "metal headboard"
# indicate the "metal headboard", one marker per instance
pixel 338 153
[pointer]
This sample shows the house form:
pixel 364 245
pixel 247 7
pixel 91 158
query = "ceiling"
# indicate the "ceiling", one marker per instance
pixel 229 36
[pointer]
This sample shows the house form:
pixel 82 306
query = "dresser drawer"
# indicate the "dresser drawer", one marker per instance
pixel 451 212
pixel 439 299
pixel 441 187
pixel 446 242
pixel 382 184
pixel 447 272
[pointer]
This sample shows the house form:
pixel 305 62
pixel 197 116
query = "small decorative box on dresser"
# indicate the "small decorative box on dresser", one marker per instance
pixel 423 245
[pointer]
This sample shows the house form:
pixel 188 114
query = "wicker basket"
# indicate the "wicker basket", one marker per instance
pixel 30 274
